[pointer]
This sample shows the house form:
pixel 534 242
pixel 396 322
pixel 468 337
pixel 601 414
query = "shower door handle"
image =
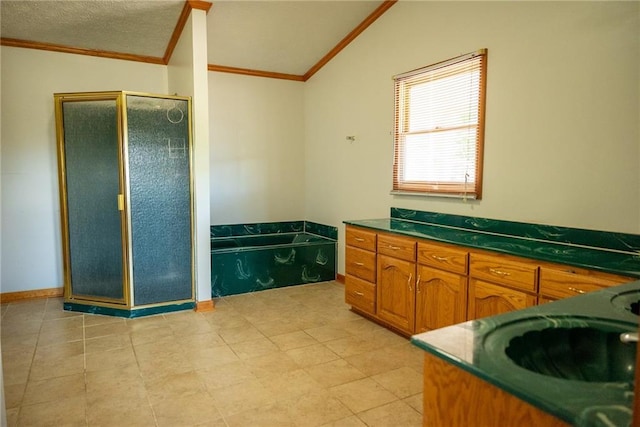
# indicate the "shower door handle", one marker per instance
pixel 120 202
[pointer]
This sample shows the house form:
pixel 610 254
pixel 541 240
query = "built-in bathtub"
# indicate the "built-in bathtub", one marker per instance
pixel 249 263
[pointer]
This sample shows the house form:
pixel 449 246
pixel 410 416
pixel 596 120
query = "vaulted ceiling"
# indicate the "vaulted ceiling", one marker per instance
pixel 286 39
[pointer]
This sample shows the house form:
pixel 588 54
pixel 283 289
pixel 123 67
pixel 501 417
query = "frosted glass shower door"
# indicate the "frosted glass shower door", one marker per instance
pixel 159 171
pixel 90 169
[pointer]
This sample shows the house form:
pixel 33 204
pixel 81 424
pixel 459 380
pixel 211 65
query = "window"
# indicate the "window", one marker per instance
pixel 439 128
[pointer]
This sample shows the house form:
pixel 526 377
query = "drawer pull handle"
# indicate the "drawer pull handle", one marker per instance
pixel 394 248
pixel 576 290
pixel 359 264
pixel 499 273
pixel 438 258
pixel 360 294
pixel 359 239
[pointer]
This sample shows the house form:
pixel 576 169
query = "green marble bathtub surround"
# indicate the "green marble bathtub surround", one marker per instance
pixel 321 230
pixel 256 228
pixel 259 256
pixel 254 263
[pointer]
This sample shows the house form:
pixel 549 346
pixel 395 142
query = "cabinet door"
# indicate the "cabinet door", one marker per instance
pixel 396 292
pixel 487 299
pixel 441 299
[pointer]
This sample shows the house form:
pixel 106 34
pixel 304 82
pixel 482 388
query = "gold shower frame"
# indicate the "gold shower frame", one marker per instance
pixel 128 299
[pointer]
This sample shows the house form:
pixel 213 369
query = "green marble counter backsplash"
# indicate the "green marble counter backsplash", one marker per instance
pixel 574 236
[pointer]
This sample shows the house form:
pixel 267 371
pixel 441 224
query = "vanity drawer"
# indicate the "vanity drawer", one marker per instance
pixel 360 294
pixel 361 263
pixel 444 257
pixel 563 282
pixel 504 270
pixel 397 247
pixel 360 238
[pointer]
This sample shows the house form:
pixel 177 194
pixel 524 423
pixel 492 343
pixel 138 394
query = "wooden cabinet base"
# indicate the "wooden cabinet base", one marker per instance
pixel 454 397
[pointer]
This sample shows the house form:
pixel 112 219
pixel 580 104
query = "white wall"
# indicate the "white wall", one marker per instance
pixel 257 149
pixel 31 247
pixel 562 143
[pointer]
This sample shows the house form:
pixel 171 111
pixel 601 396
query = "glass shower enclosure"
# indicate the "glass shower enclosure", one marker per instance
pixel 126 203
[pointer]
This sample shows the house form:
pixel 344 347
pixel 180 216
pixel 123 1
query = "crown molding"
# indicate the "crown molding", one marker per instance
pixel 256 73
pixel 80 51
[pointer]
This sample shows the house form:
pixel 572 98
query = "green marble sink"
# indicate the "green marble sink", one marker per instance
pixel 581 354
pixel 568 348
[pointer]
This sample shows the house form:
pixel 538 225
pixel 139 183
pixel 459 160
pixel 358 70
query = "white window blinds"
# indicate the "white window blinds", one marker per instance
pixel 439 127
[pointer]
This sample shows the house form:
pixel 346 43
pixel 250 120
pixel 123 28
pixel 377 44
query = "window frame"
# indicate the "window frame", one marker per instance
pixel 402 83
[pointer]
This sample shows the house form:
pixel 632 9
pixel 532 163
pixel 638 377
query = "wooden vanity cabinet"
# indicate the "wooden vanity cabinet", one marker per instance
pixel 395 296
pixel 361 263
pixel 360 294
pixel 415 285
pixel 488 299
pixel 360 269
pixel 499 284
pixel 559 281
pixel 360 238
pixel 441 287
pixel 505 270
pixel 473 402
pixel 396 292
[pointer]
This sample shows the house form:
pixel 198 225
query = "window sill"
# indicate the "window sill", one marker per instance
pixel 443 195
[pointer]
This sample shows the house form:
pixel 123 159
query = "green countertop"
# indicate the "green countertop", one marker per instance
pixel 616 261
pixel 478 347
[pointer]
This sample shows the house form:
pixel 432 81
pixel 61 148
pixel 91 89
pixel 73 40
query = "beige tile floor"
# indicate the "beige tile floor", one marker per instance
pixel 293 356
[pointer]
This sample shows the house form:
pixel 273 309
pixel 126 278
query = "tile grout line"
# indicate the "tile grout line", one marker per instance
pixel 244 310
pixel 33 357
pixel 84 358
